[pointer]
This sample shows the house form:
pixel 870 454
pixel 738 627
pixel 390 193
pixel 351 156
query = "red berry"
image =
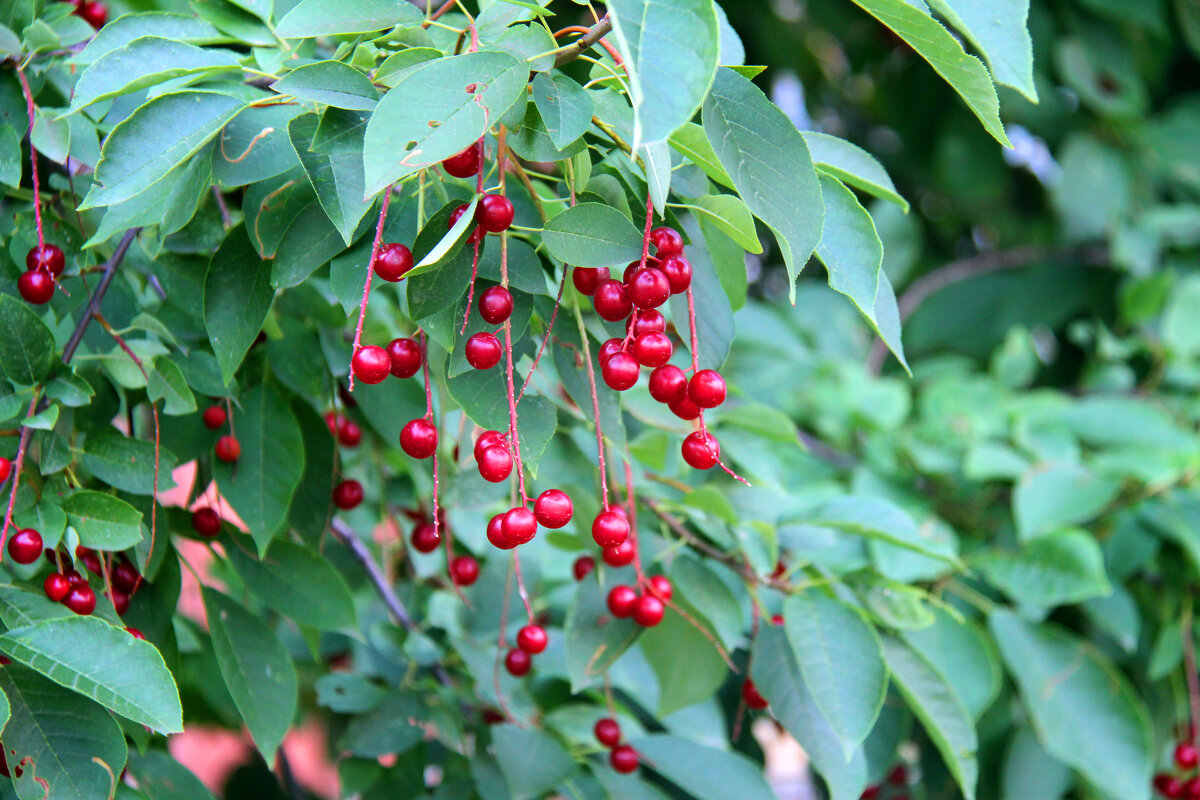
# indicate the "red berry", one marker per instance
pixel 1186 754
pixel 494 213
pixel 619 555
pixel 649 288
pixel 483 350
pixel 668 384
pixel 496 534
pixel 1168 786
pixel 621 600
pixel 647 320
pixel 608 732
pixel 610 528
pixel 419 438
pixel 81 599
pixel 609 349
pixel 371 364
pixel 553 508
pixel 89 558
pixel 678 271
pixel 228 449
pixel 612 300
pixel 488 439
pixel 47 258
pixel 25 546
pixel 466 163
pixel 120 601
pixel 519 525
pixel 751 696
pixel 898 776
pixel 870 793
pixel 95 13
pixel 455 215
pixel 495 305
pixel 36 287
pixel 206 522
pixel 125 577
pixel 425 538
pixel 214 417
pixel 532 639
pixel 5 469
pixel 700 450
pixel 392 261
pixel 56 586
pixel 404 357
pixel 495 464
pixel 348 432
pixel 684 408
pixel 464 570
pixel 630 271
pixel 1191 789
pixel 620 371
pixel 135 633
pixel 517 662
pixel 661 587
pixel 586 279
pixel 652 349
pixel 648 611
pixel 667 241
pixel 707 388
pixel 777 619
pixel 347 494
pixel 623 758
pixel 583 567
pixel 74 578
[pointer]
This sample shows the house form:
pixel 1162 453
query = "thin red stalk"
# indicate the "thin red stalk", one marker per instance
pixel 501 644
pixel 1193 680
pixel 562 284
pixel 37 194
pixel 18 462
pixel 591 373
pixel 612 51
pixel 508 375
pixel 633 531
pixel 521 585
pixel 362 309
pixel 446 6
pixel 437 522
pixel 474 261
pixel 641 265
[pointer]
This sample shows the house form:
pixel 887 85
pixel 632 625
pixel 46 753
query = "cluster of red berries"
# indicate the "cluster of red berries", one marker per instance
pixel 493 214
pixel 402 358
pixel 897 778
pixel 43 264
pixel 646 609
pixel 228 448
pixel 94 12
pixel 531 640
pixel 1184 783
pixel 425 538
pixel 482 349
pixel 622 757
pixel 67 585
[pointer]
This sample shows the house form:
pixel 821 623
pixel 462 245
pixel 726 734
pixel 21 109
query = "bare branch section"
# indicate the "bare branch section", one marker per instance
pixel 584 43
pixel 358 549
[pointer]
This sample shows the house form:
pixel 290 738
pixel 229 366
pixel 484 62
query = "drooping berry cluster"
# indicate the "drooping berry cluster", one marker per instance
pixel 1182 783
pixel 43 264
pixel 67 585
pixel 622 757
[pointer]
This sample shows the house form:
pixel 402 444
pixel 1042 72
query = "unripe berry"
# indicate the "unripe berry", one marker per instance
pixel 425 538
pixel 495 464
pixel 36 287
pixel 206 522
pixel 466 163
pixel 610 528
pixel 404 357
pixel 519 525
pixel 81 599
pixel 668 384
pixel 495 305
pixel 586 279
pixel 649 288
pixel 707 388
pixel 607 731
pixel 532 639
pixel 371 364
pixel 419 438
pixel 612 300
pixel 518 662
pixel 667 242
pixel 494 213
pixel 553 508
pixel 583 567
pixel 47 258
pixel 392 261
pixel 678 271
pixel 347 494
pixel 623 758
pixel 621 600
pixel 228 448
pixel 652 349
pixel 620 555
pixel 483 350
pixel 620 371
pixel 700 450
pixel 751 696
pixel 464 570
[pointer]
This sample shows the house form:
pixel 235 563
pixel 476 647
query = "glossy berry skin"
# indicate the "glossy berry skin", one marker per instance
pixel 583 567
pixel 36 287
pixel 135 633
pixel 392 261
pixel 464 570
pixel 419 438
pixel 610 528
pixel 623 758
pixel 649 288
pixel 206 522
pixel 1191 789
pixel 621 600
pixel 81 599
pixel 620 555
pixel 95 13
pixel 425 538
pixel 684 408
pixel 89 558
pixel 586 279
pixel 707 388
pixel 609 349
pixel 214 417
pixel 495 464
pixel 1168 786
pixel 25 546
pixel 496 534
pixel 495 305
pixel 620 371
pixel 612 300
pixel 532 639
pixel 553 508
pixel 652 349
pixel 607 731
pixel 648 611
pixel 5 469
pixel 700 450
pixel 466 163
pixel 647 321
pixel 228 449
pixel 404 357
pixel 348 432
pixel 870 793
pixel 519 525
pixel 678 271
pixel 483 350
pixel 47 257
pixel 667 242
pixel 125 577
pixel 1186 754
pixel 371 364
pixel 668 384
pixel 487 439
pixel 347 494
pixel 56 586
pixel 751 696
pixel 518 662
pixel 494 213
pixel 120 601
pixel 661 587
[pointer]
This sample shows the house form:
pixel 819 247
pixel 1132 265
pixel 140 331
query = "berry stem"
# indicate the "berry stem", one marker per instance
pixel 475 258
pixel 37 193
pixel 633 530
pixel 562 284
pixel 508 374
pixel 591 373
pixel 18 462
pixel 362 309
pixel 521 585
pixel 1193 680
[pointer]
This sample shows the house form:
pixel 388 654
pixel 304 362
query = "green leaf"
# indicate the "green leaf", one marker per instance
pixel 127 464
pixel 656 161
pixel 390 727
pixel 400 138
pixel 335 174
pixel 960 651
pixel 167 383
pixel 688 667
pixel 591 647
pixel 730 215
pixel 876 518
pixel 704 772
pixel 256 668
pixel 852 165
pixel 12 162
pixel 670 49
pixel 144 62
pixel 237 297
pixel 1000 31
pixel 102 521
pixel 104 663
pixel 532 761
pixel 163 778
pixel 769 164
pixel 42 421
pixel 565 107
pixel 255 146
pixel 1058 569
pixel 692 142
pixel 1084 711
pixel 127 27
pixel 330 82
pixel 27 346
pixel 965 74
pixel 154 140
pixel 298 584
pixel 592 235
pixel 20 607
pixel 260 484
pixel 1030 773
pixel 1052 496
pixel 838 655
pixel 331 17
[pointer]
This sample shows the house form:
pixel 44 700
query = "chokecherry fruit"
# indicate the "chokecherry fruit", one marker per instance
pixel 1191 789
pixel 620 371
pixel 36 287
pixel 425 538
pixel 649 288
pixel 532 639
pixel 125 577
pixel 392 261
pixel 620 555
pixel 488 439
pixel 135 633
pixel 553 508
pixel 5 469
pixel 668 384
pixel 1168 786
pixel 419 438
pixel 612 300
pixel 586 279
pixel 707 388
pixel 466 163
pixel 404 357
pixel 518 662
pixel 648 611
pixel 700 450
pixel 206 522
pixel 647 320
pixel 519 525
pixel 495 305
pixel 667 242
pixel 347 494
pixel 95 13
pixel 751 696
pixel 120 601
pixel 46 257
pixel 610 528
pixel 678 271
pixel 583 567
pixel 623 758
pixel 228 448
pixel 607 731
pixel 621 600
pixel 652 349
pixel 89 558
pixel 214 417
pixel 464 570
pixel 871 793
pixel 56 586
pixel 1187 756
pixel 495 464
pixel 81 599
pixel 660 587
pixel 898 776
pixel 494 213
pixel 609 349
pixel 348 432
pixel 483 350
pixel 496 535
pixel 455 215
pixel 25 546
pixel 684 408
pixel 371 364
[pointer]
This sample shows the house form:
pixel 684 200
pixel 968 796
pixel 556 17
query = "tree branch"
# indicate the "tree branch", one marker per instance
pixel 584 43
pixel 110 269
pixel 359 550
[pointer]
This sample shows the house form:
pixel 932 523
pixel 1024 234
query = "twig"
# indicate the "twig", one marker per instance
pixel 584 43
pixel 287 777
pixel 1193 680
pixel 359 550
pixel 110 269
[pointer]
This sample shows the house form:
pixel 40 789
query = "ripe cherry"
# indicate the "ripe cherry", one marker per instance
pixel 553 508
pixel 348 432
pixel 206 522
pixel 870 793
pixel 56 586
pixel 404 357
pixel 466 163
pixel 532 639
pixel 455 215
pixel 214 417
pixel 120 601
pixel 125 577
pixel 135 633
pixel 495 464
pixel 494 213
pixel 700 450
pixel 630 271
pixel 649 288
pixel 89 558
pixel 612 300
pixel 483 350
pixel 684 408
pixel 707 388
pixel 668 384
pixel 648 611
pixel 678 271
pixel 667 242
pixel 608 732
pixel 1191 789
pixel 347 494
pixel 47 258
pixel 898 776
pixel 751 696
pixel 660 587
pixel 1168 786
pixel 371 364
pixel 81 599
pixel 25 546
pixel 620 371
pixel 621 600
pixel 586 279
pixel 1186 754
pixel 95 13
pixel 419 438
pixel 652 349
pixel 620 555
pixel 647 320
pixel 610 528
pixel 464 570
pixel 5 469
pixel 495 304
pixel 74 577
pixel 583 567
pixel 425 538
pixel 36 287
pixel 609 349
pixel 392 261
pixel 228 448
pixel 517 662
pixel 623 758
pixel 496 534
pixel 519 525
pixel 488 439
